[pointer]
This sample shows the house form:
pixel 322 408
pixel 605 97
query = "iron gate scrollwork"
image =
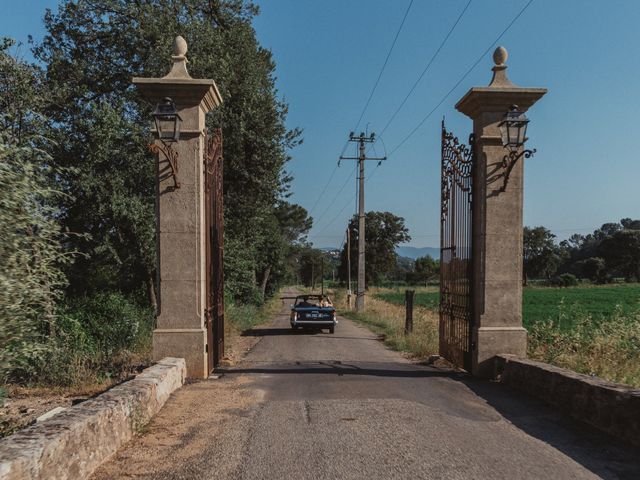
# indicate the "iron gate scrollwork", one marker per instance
pixel 456 302
pixel 214 254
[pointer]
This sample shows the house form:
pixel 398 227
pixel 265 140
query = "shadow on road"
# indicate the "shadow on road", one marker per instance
pixel 584 444
pixel 340 368
pixel 268 332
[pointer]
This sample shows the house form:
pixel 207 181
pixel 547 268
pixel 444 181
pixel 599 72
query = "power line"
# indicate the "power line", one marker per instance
pixel 337 194
pixel 386 60
pixel 480 58
pixel 433 57
pixel 443 99
pixel 334 218
pixel 375 86
pixel 324 189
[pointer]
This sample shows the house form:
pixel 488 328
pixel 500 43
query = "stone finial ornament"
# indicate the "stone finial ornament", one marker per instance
pixel 500 56
pixel 180 47
pixel 500 78
pixel 179 57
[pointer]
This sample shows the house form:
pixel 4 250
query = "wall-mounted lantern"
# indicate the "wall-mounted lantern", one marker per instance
pixel 167 122
pixel 513 129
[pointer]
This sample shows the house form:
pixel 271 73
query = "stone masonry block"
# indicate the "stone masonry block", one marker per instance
pixel 72 444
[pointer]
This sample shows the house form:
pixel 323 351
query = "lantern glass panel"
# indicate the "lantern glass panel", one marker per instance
pixel 514 134
pixel 166 126
pixel 522 132
pixel 504 133
pixel 167 121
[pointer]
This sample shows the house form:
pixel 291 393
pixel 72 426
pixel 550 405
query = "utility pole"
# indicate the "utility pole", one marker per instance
pixel 322 276
pixel 349 266
pixel 362 140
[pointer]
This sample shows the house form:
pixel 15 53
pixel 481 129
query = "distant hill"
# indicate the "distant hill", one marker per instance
pixel 407 252
pixel 415 252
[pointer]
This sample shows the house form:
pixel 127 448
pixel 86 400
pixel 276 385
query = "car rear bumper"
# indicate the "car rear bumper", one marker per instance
pixel 313 323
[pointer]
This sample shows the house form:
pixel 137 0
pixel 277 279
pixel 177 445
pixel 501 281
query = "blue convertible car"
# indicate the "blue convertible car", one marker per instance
pixel 314 311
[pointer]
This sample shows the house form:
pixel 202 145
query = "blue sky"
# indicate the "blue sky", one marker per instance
pixel 329 53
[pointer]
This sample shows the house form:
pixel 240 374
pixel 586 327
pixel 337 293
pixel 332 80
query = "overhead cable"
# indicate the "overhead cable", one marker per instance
pixel 465 75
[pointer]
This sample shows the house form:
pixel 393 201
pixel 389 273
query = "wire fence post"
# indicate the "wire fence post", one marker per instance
pixel 408 301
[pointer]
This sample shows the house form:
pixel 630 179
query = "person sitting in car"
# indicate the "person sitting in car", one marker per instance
pixel 326 302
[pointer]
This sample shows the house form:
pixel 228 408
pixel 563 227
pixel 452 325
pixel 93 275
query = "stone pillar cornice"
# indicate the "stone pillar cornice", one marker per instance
pixel 185 92
pixel 480 100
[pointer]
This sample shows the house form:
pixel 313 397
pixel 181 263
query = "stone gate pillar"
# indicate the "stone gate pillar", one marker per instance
pixel 497 221
pixel 181 329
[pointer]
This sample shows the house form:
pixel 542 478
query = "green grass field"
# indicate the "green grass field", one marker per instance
pixel 541 303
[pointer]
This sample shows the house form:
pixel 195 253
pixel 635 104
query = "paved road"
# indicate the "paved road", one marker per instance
pixel 320 406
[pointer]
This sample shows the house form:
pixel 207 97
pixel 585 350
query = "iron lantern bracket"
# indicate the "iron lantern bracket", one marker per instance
pixel 172 158
pixel 509 161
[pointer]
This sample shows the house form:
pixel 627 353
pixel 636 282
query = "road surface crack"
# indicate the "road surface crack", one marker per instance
pixel 306 411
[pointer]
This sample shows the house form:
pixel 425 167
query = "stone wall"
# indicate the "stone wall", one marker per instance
pixel 607 406
pixel 72 444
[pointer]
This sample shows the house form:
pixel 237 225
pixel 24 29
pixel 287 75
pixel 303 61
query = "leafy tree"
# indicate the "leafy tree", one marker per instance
pixel 585 255
pixel 427 266
pixel 384 232
pixel 621 252
pixel 91 51
pixel 606 230
pixel 592 268
pixel 541 255
pixel 31 241
pixel 310 265
pixel 287 226
pixel 629 224
pixel 425 269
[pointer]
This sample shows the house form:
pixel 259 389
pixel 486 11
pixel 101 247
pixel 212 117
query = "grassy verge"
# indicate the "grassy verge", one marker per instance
pixel 387 319
pixel 593 330
pixel 240 318
pixel 543 303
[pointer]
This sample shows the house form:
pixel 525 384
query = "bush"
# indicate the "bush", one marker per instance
pixel 111 321
pixel 565 280
pixel 592 268
pixel 239 273
pixel 98 337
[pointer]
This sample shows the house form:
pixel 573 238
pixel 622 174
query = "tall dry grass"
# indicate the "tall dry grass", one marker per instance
pixel 388 320
pixel 608 348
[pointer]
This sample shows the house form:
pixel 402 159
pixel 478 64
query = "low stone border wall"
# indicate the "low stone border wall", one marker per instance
pixel 607 406
pixel 72 444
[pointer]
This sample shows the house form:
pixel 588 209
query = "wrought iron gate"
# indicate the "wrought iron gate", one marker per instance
pixel 456 314
pixel 214 224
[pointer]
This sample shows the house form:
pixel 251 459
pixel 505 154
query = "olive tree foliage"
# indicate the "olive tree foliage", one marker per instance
pixel 91 51
pixel 31 241
pixel 541 255
pixel 384 231
pixel 611 251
